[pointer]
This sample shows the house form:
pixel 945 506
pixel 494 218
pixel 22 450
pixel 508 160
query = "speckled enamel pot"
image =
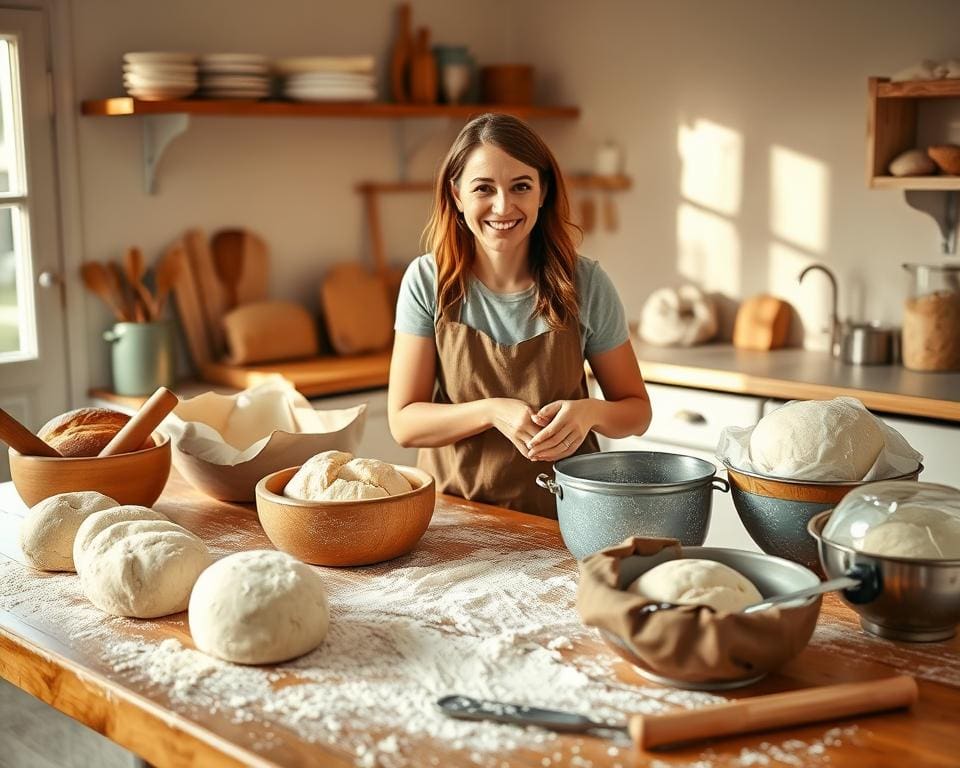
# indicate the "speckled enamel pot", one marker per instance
pixel 604 498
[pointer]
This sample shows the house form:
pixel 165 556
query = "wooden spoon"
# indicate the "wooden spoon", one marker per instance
pixel 167 274
pixel 135 269
pixel 97 279
pixel 21 439
pixel 227 248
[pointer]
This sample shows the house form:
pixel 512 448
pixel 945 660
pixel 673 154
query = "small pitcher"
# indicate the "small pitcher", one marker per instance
pixel 142 356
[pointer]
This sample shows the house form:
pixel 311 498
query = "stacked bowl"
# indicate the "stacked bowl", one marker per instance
pixel 328 78
pixel 159 76
pixel 234 76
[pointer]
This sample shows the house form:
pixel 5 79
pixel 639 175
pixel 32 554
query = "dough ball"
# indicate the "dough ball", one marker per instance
pixel 99 520
pixel 316 475
pixel 375 472
pixel 83 432
pixel 825 440
pixel 697 582
pixel 258 607
pixel 50 527
pixel 143 568
pixel 350 490
pixel 918 532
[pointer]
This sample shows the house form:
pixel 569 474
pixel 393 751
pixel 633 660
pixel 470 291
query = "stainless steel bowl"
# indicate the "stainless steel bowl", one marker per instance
pixel 775 511
pixel 604 498
pixel 918 601
pixel 771 575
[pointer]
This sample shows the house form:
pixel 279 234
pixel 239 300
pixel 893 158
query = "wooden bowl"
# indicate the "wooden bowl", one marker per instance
pixel 947 158
pixel 137 477
pixel 346 532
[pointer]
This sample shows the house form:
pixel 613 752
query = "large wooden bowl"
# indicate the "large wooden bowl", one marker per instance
pixel 346 533
pixel 137 477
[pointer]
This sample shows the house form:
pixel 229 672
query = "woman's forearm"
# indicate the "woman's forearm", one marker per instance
pixel 427 425
pixel 620 418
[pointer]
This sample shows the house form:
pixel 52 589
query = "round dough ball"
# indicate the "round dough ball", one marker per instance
pixel 316 475
pixel 917 532
pixel 825 440
pixel 377 473
pixel 100 520
pixel 143 568
pixel 258 607
pixel 350 490
pixel 697 582
pixel 48 531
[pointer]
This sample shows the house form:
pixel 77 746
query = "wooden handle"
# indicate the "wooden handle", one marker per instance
pixel 827 702
pixel 21 439
pixel 144 421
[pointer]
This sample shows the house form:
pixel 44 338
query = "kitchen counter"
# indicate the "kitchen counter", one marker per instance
pixel 789 374
pixel 54 645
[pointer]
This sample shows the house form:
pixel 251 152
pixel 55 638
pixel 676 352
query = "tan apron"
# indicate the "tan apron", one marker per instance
pixel 472 366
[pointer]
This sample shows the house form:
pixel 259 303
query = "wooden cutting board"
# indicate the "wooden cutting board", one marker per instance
pixel 356 309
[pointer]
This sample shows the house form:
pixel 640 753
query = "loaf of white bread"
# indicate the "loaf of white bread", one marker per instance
pixel 338 476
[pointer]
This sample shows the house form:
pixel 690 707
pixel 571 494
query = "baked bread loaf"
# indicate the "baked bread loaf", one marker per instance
pixel 83 432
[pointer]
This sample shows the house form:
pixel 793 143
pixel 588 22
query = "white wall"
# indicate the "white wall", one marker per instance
pixel 769 95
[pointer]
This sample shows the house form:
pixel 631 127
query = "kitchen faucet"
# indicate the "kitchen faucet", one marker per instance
pixel 834 318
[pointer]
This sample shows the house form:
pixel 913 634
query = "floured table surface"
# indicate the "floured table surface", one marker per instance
pixel 482 607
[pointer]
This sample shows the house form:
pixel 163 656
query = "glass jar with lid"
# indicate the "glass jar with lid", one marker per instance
pixel 931 318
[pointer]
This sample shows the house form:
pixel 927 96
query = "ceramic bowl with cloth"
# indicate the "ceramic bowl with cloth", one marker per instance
pixel 223 445
pixel 695 646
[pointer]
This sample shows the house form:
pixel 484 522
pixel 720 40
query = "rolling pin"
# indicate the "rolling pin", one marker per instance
pixel 141 425
pixel 21 439
pixel 778 710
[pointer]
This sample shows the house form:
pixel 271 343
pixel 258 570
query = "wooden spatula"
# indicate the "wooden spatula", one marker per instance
pixel 135 269
pixel 227 248
pixel 167 274
pixel 97 279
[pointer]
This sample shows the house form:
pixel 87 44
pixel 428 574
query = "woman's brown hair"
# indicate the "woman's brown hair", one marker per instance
pixel 552 254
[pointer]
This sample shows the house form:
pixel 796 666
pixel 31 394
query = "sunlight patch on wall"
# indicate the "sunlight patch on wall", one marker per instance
pixel 811 299
pixel 708 250
pixel 799 199
pixel 711 158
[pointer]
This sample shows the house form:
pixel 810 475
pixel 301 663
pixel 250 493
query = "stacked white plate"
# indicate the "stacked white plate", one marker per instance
pixel 234 76
pixel 328 78
pixel 157 76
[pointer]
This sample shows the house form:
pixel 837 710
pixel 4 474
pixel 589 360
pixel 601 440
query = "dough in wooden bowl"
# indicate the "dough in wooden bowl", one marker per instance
pixel 338 476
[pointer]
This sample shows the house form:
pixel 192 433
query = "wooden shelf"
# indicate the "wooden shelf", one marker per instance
pixel 125 106
pixel 943 183
pixel 918 89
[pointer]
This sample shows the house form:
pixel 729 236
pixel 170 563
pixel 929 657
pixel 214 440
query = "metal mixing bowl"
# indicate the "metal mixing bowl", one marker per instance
pixel 775 511
pixel 604 498
pixel 771 575
pixel 919 600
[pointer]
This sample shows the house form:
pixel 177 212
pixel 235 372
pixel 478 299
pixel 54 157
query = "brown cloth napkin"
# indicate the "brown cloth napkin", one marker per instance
pixel 692 643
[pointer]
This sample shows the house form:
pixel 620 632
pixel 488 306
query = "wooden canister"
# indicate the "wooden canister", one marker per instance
pixel 507 84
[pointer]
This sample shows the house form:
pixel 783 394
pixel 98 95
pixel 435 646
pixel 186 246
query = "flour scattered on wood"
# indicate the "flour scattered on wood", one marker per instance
pixel 488 622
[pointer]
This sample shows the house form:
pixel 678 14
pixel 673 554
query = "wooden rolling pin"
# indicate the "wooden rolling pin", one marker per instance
pixel 21 439
pixel 777 710
pixel 141 425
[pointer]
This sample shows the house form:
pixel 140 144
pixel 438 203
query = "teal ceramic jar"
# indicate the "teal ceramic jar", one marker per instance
pixel 142 356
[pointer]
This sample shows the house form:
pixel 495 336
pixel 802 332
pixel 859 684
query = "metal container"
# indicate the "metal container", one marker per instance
pixel 771 575
pixel 868 344
pixel 775 511
pixel 919 600
pixel 604 498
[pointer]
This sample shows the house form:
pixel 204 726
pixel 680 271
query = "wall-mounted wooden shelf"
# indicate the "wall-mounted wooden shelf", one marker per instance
pixel 918 89
pixel 125 106
pixel 164 121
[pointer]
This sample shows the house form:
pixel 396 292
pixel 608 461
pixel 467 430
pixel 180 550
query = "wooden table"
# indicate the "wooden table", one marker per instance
pixel 41 653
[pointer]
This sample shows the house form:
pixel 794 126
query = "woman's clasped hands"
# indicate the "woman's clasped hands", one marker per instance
pixel 549 434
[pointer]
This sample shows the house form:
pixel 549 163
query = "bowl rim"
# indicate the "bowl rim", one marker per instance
pixel 586 484
pixel 820 483
pixel 164 439
pixel 261 491
pixel 815 528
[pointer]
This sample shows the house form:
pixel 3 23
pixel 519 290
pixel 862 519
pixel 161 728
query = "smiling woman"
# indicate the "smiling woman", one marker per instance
pixel 495 322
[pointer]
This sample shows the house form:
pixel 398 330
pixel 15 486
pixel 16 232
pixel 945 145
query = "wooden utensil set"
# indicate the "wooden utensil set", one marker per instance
pixel 122 287
pixel 413 67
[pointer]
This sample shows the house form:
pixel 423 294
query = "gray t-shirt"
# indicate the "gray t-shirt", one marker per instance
pixel 508 318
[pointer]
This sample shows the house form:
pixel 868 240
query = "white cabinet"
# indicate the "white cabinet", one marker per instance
pixel 689 421
pixel 377 442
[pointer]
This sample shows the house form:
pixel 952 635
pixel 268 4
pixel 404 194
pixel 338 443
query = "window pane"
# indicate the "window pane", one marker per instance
pixel 11 154
pixel 17 327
